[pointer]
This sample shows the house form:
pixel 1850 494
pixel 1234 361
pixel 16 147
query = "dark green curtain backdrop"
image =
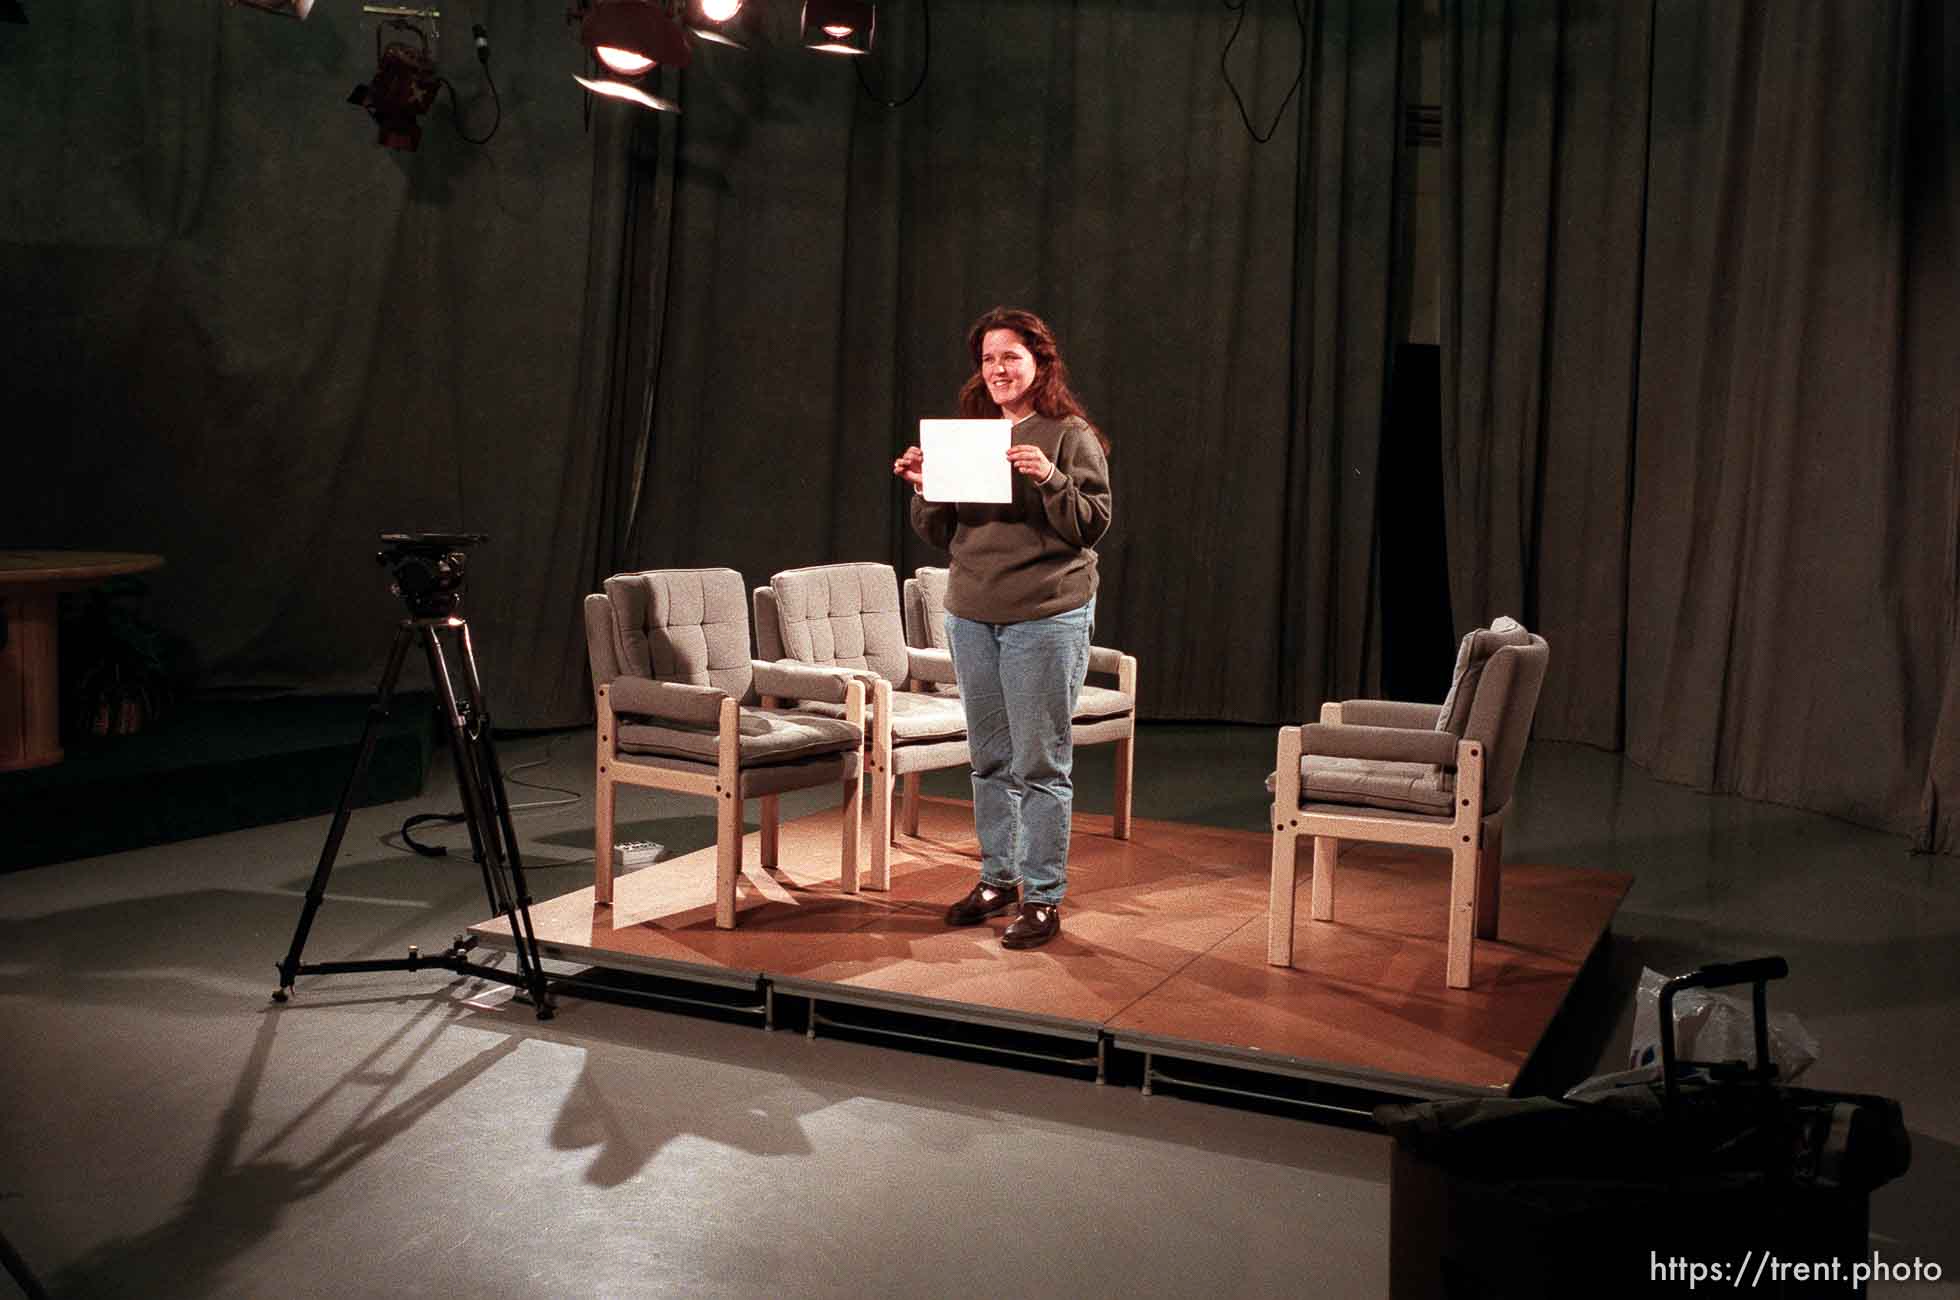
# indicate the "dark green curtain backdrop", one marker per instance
pixel 242 335
pixel 812 260
pixel 1700 309
pixel 246 337
pixel 1699 399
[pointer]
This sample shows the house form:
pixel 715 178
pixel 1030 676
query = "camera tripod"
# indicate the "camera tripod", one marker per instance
pixel 473 754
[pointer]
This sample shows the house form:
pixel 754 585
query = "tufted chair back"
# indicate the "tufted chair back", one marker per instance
pixel 673 625
pixel 838 615
pixel 1501 714
pixel 1492 698
pixel 925 608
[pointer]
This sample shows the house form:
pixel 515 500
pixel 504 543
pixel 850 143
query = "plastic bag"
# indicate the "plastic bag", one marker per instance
pixel 1712 1025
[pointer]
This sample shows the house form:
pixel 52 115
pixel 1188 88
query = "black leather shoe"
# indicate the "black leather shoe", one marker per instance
pixel 982 901
pixel 1036 925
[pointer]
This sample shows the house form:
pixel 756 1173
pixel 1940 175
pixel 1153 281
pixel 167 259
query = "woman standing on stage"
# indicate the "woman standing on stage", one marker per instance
pixel 1020 607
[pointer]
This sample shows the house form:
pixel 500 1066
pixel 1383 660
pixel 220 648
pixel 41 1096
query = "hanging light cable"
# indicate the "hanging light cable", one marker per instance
pixel 1224 68
pixel 925 64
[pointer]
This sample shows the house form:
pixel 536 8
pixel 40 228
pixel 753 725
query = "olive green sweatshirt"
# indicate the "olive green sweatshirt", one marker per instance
pixel 1034 556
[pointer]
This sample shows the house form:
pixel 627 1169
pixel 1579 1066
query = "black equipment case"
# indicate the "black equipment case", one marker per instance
pixel 1713 1177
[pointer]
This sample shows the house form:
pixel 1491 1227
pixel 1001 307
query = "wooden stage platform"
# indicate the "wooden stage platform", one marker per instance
pixel 1162 954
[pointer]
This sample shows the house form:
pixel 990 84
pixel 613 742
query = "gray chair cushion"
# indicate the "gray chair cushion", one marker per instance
pixel 767 736
pixel 845 615
pixel 1405 787
pixel 683 625
pixel 1471 656
pixel 916 716
pixel 1101 702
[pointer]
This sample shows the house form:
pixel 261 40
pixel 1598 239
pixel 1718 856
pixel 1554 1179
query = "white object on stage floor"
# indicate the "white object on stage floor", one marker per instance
pixel 966 460
pixel 636 853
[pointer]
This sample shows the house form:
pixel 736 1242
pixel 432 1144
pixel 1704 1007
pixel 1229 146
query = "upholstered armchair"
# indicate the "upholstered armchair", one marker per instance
pixel 682 706
pixel 1103 714
pixel 844 619
pixel 1420 774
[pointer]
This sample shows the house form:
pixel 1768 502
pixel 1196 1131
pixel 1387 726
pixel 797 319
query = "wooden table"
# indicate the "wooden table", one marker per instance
pixel 30 695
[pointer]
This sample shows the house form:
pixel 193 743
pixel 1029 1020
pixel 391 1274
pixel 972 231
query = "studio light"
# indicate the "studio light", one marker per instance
pixel 713 20
pixel 286 8
pixel 631 37
pixel 630 93
pixel 404 87
pixel 839 26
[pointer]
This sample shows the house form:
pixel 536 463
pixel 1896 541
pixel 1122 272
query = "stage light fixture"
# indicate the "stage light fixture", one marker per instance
pixel 713 20
pixel 286 8
pixel 839 26
pixel 631 37
pixel 405 86
pixel 630 93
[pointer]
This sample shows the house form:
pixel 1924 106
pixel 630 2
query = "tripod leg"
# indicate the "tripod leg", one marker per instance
pixel 510 895
pixel 451 712
pixel 356 779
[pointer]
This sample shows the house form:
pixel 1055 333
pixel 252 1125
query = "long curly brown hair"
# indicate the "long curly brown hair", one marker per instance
pixel 1052 395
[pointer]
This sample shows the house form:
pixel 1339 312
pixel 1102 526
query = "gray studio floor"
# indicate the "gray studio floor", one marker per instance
pixel 164 1131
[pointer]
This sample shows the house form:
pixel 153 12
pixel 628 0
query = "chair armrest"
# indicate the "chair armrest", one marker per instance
pixel 694 706
pixel 793 679
pixel 1390 713
pixel 1104 660
pixel 1385 744
pixel 1123 667
pixel 927 665
pixel 1284 781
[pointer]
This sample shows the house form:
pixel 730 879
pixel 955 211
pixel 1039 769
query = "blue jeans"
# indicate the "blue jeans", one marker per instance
pixel 1020 682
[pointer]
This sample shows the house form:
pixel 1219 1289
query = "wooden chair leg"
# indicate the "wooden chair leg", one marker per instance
pixel 728 812
pixel 1126 751
pixel 1490 880
pixel 852 813
pixel 602 836
pixel 911 819
pixel 769 836
pixel 1463 904
pixel 881 829
pixel 1326 850
pixel 728 857
pixel 853 819
pixel 1465 849
pixel 1279 902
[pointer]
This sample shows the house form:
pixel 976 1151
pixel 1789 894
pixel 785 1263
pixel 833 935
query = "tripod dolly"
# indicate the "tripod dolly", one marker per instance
pixel 428 574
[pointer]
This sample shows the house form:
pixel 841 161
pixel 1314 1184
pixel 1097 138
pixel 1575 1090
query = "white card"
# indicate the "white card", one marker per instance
pixel 966 460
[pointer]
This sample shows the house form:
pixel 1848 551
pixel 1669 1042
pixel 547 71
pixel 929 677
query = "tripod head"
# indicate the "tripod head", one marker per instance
pixel 427 569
